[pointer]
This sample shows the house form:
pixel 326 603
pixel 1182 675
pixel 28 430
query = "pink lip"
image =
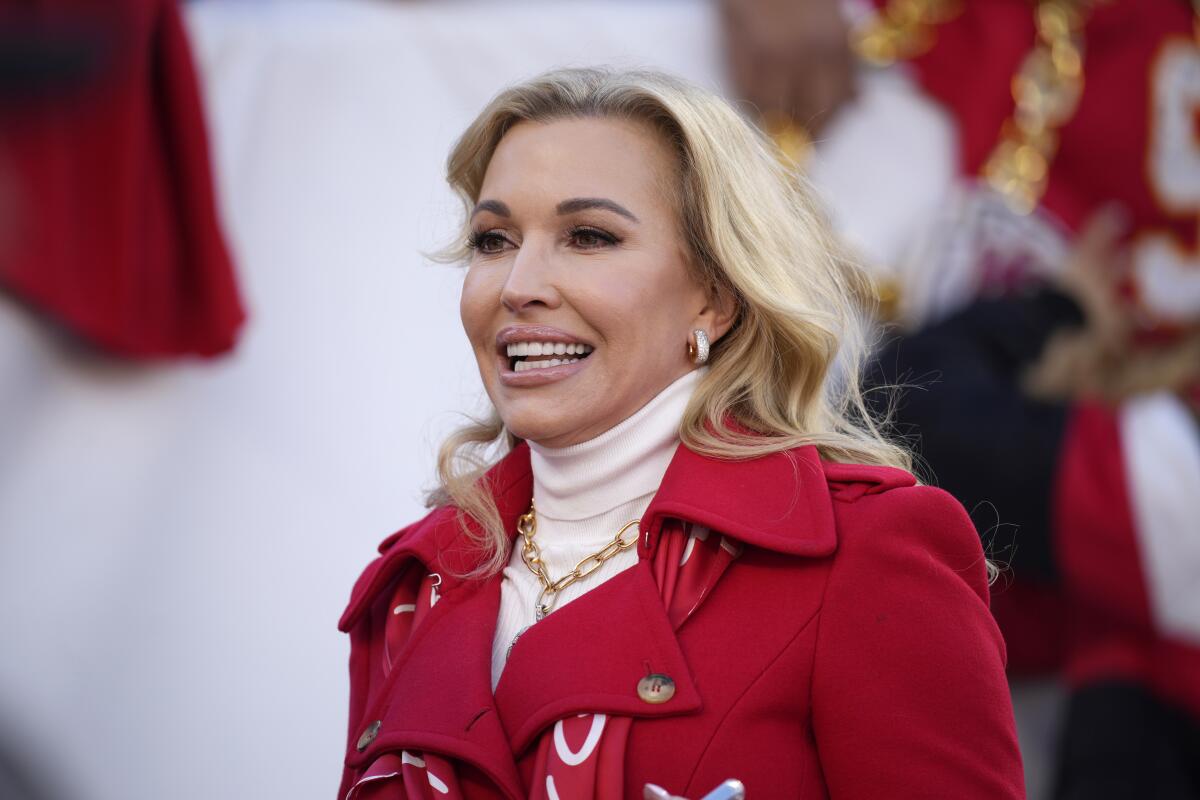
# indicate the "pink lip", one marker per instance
pixel 535 333
pixel 539 377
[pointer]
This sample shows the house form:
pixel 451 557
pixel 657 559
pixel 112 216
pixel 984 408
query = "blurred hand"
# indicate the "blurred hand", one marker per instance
pixel 654 792
pixel 1105 358
pixel 790 58
pixel 1093 274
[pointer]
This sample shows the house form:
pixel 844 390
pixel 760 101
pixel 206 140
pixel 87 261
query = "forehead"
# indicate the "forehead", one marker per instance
pixel 590 157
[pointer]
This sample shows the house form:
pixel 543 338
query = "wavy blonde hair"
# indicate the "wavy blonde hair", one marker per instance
pixel 787 373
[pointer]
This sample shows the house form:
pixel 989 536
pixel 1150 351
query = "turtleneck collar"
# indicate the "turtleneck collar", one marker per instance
pixel 624 463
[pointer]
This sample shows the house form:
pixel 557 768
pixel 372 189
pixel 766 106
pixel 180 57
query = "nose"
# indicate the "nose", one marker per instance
pixel 530 283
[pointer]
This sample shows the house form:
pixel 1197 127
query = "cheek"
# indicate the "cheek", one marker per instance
pixel 478 304
pixel 634 319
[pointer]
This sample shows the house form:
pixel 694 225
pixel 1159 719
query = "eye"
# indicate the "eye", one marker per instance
pixel 487 242
pixel 589 238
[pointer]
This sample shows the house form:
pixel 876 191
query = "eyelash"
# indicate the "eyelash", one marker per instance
pixel 477 239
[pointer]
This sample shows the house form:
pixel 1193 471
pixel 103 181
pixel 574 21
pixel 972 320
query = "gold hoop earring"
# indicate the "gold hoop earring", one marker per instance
pixel 698 347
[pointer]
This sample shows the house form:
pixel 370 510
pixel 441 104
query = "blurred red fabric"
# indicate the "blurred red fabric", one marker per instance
pixel 113 230
pixel 1112 633
pixel 1102 148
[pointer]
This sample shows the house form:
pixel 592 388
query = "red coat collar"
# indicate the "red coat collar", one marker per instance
pixel 781 502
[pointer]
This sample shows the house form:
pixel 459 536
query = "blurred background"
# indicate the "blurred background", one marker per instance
pixel 225 363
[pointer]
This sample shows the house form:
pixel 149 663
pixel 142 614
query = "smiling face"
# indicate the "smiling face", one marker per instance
pixel 578 301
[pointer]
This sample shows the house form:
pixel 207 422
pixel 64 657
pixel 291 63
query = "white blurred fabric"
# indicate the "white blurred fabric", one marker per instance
pixel 177 541
pixel 1161 449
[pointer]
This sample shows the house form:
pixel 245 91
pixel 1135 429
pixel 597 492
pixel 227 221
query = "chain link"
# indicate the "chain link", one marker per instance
pixel 531 554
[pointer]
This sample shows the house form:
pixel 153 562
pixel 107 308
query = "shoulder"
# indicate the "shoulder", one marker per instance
pixel 884 510
pixel 907 588
pixel 869 497
pixel 910 527
pixel 440 541
pixel 795 503
pixel 848 482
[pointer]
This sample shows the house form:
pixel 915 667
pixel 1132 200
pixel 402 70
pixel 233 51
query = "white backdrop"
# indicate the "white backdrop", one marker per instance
pixel 177 542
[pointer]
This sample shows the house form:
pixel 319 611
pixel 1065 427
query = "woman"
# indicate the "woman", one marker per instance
pixel 695 559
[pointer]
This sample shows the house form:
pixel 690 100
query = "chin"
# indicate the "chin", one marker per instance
pixel 523 427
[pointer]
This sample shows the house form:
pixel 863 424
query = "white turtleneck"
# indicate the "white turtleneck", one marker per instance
pixel 584 494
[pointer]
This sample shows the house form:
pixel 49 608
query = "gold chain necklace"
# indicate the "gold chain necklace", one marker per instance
pixel 531 554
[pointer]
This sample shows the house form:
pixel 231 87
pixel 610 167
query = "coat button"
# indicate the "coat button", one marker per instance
pixel 656 688
pixel 369 735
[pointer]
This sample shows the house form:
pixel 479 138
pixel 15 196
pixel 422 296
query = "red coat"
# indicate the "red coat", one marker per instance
pixel 848 652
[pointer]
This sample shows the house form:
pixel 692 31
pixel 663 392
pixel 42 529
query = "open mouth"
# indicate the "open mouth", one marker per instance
pixel 525 356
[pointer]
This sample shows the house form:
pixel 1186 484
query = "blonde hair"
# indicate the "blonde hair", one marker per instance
pixel 787 373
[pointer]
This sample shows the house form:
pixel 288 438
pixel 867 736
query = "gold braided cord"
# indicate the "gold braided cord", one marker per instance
pixel 902 29
pixel 1046 90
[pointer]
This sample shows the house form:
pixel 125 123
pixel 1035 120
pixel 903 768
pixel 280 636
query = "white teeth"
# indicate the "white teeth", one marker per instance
pixel 546 349
pixel 525 366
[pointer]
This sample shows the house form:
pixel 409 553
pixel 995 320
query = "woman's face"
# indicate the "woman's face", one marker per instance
pixel 578 301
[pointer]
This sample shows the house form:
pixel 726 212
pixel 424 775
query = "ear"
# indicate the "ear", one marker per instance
pixel 718 314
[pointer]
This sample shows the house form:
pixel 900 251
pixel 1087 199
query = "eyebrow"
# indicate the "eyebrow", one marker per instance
pixel 565 207
pixel 494 206
pixel 581 203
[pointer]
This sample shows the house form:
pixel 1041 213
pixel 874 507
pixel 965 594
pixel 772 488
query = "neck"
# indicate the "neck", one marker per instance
pixel 622 464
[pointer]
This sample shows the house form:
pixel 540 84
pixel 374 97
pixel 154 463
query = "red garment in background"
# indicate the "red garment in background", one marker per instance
pixel 115 233
pixel 1112 633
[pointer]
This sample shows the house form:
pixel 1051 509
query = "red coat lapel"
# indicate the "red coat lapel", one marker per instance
pixel 438 697
pixel 589 656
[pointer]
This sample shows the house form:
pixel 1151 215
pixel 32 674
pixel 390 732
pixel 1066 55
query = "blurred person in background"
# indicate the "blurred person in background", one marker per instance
pixel 109 249
pixel 792 62
pixel 679 551
pixel 1056 300
pixel 1068 392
